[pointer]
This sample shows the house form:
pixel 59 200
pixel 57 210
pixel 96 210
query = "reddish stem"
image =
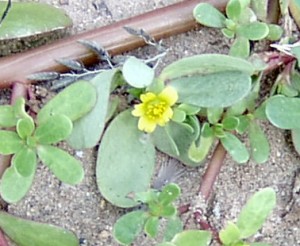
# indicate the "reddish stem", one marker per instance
pixel 3 241
pixel 212 171
pixel 160 23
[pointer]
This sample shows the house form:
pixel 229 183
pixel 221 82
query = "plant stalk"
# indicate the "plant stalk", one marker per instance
pixel 160 23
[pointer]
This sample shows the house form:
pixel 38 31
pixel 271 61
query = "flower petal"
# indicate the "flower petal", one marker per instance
pixel 138 110
pixel 149 96
pixel 165 118
pixel 169 95
pixel 146 125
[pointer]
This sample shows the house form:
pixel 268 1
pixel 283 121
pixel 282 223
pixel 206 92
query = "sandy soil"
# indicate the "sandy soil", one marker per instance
pixel 83 210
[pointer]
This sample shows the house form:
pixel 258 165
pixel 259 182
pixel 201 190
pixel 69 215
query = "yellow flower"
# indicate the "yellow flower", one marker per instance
pixel 155 109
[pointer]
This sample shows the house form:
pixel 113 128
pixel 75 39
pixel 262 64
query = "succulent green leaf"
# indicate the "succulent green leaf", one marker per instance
pixel 205 64
pixel 19 108
pixel 247 16
pixel 235 148
pixel 151 226
pixel 296 139
pixel 230 123
pixel 57 128
pixel 25 127
pixel 174 226
pixel 296 52
pixel 260 112
pixel 283 112
pixel 230 234
pixel 214 115
pixel 294 7
pixel 253 31
pixel 260 244
pixel 74 101
pixel 168 211
pixel 169 194
pixel 244 122
pixel 7 116
pixel 37 17
pixel 88 129
pixel 178 115
pixel 128 227
pixel 189 109
pixel 221 89
pixel 228 33
pixel 125 161
pixel 64 166
pixel 192 238
pixel 25 162
pixel 260 148
pixel 10 142
pixel 275 32
pixel 13 186
pixel 137 73
pixel 30 233
pixel 260 8
pixel 200 152
pixel 234 9
pixel 208 15
pixel 255 212
pixel 284 5
pixel 178 136
pixel 240 47
pixel 295 80
pixel 236 109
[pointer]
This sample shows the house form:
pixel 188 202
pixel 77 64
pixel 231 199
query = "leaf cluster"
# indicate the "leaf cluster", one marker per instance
pixel 159 205
pixel 32 140
pixel 240 23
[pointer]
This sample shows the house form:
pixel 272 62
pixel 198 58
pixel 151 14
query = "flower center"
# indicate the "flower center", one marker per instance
pixel 155 110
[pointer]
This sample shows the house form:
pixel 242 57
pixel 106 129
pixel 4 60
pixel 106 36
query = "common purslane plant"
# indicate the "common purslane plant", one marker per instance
pixel 33 140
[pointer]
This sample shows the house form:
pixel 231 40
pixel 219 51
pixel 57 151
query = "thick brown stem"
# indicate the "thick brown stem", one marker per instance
pixel 212 171
pixel 160 23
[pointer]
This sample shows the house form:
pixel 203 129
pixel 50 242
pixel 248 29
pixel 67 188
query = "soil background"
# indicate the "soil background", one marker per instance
pixel 84 211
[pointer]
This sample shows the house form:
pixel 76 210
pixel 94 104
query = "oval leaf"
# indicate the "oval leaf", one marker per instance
pixel 125 161
pixel 29 233
pixel 255 212
pixel 88 129
pixel 137 73
pixel 151 226
pixel 253 31
pixel 283 112
pixel 208 15
pixel 25 162
pixel 169 194
pixel 205 64
pixel 174 226
pixel 25 127
pixel 36 17
pixel 13 186
pixel 128 227
pixel 234 9
pixel 7 116
pixel 213 90
pixel 192 238
pixel 55 129
pixel 240 47
pixel 74 102
pixel 64 166
pixel 230 234
pixel 175 139
pixel 235 148
pixel 259 143
pixel 10 142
